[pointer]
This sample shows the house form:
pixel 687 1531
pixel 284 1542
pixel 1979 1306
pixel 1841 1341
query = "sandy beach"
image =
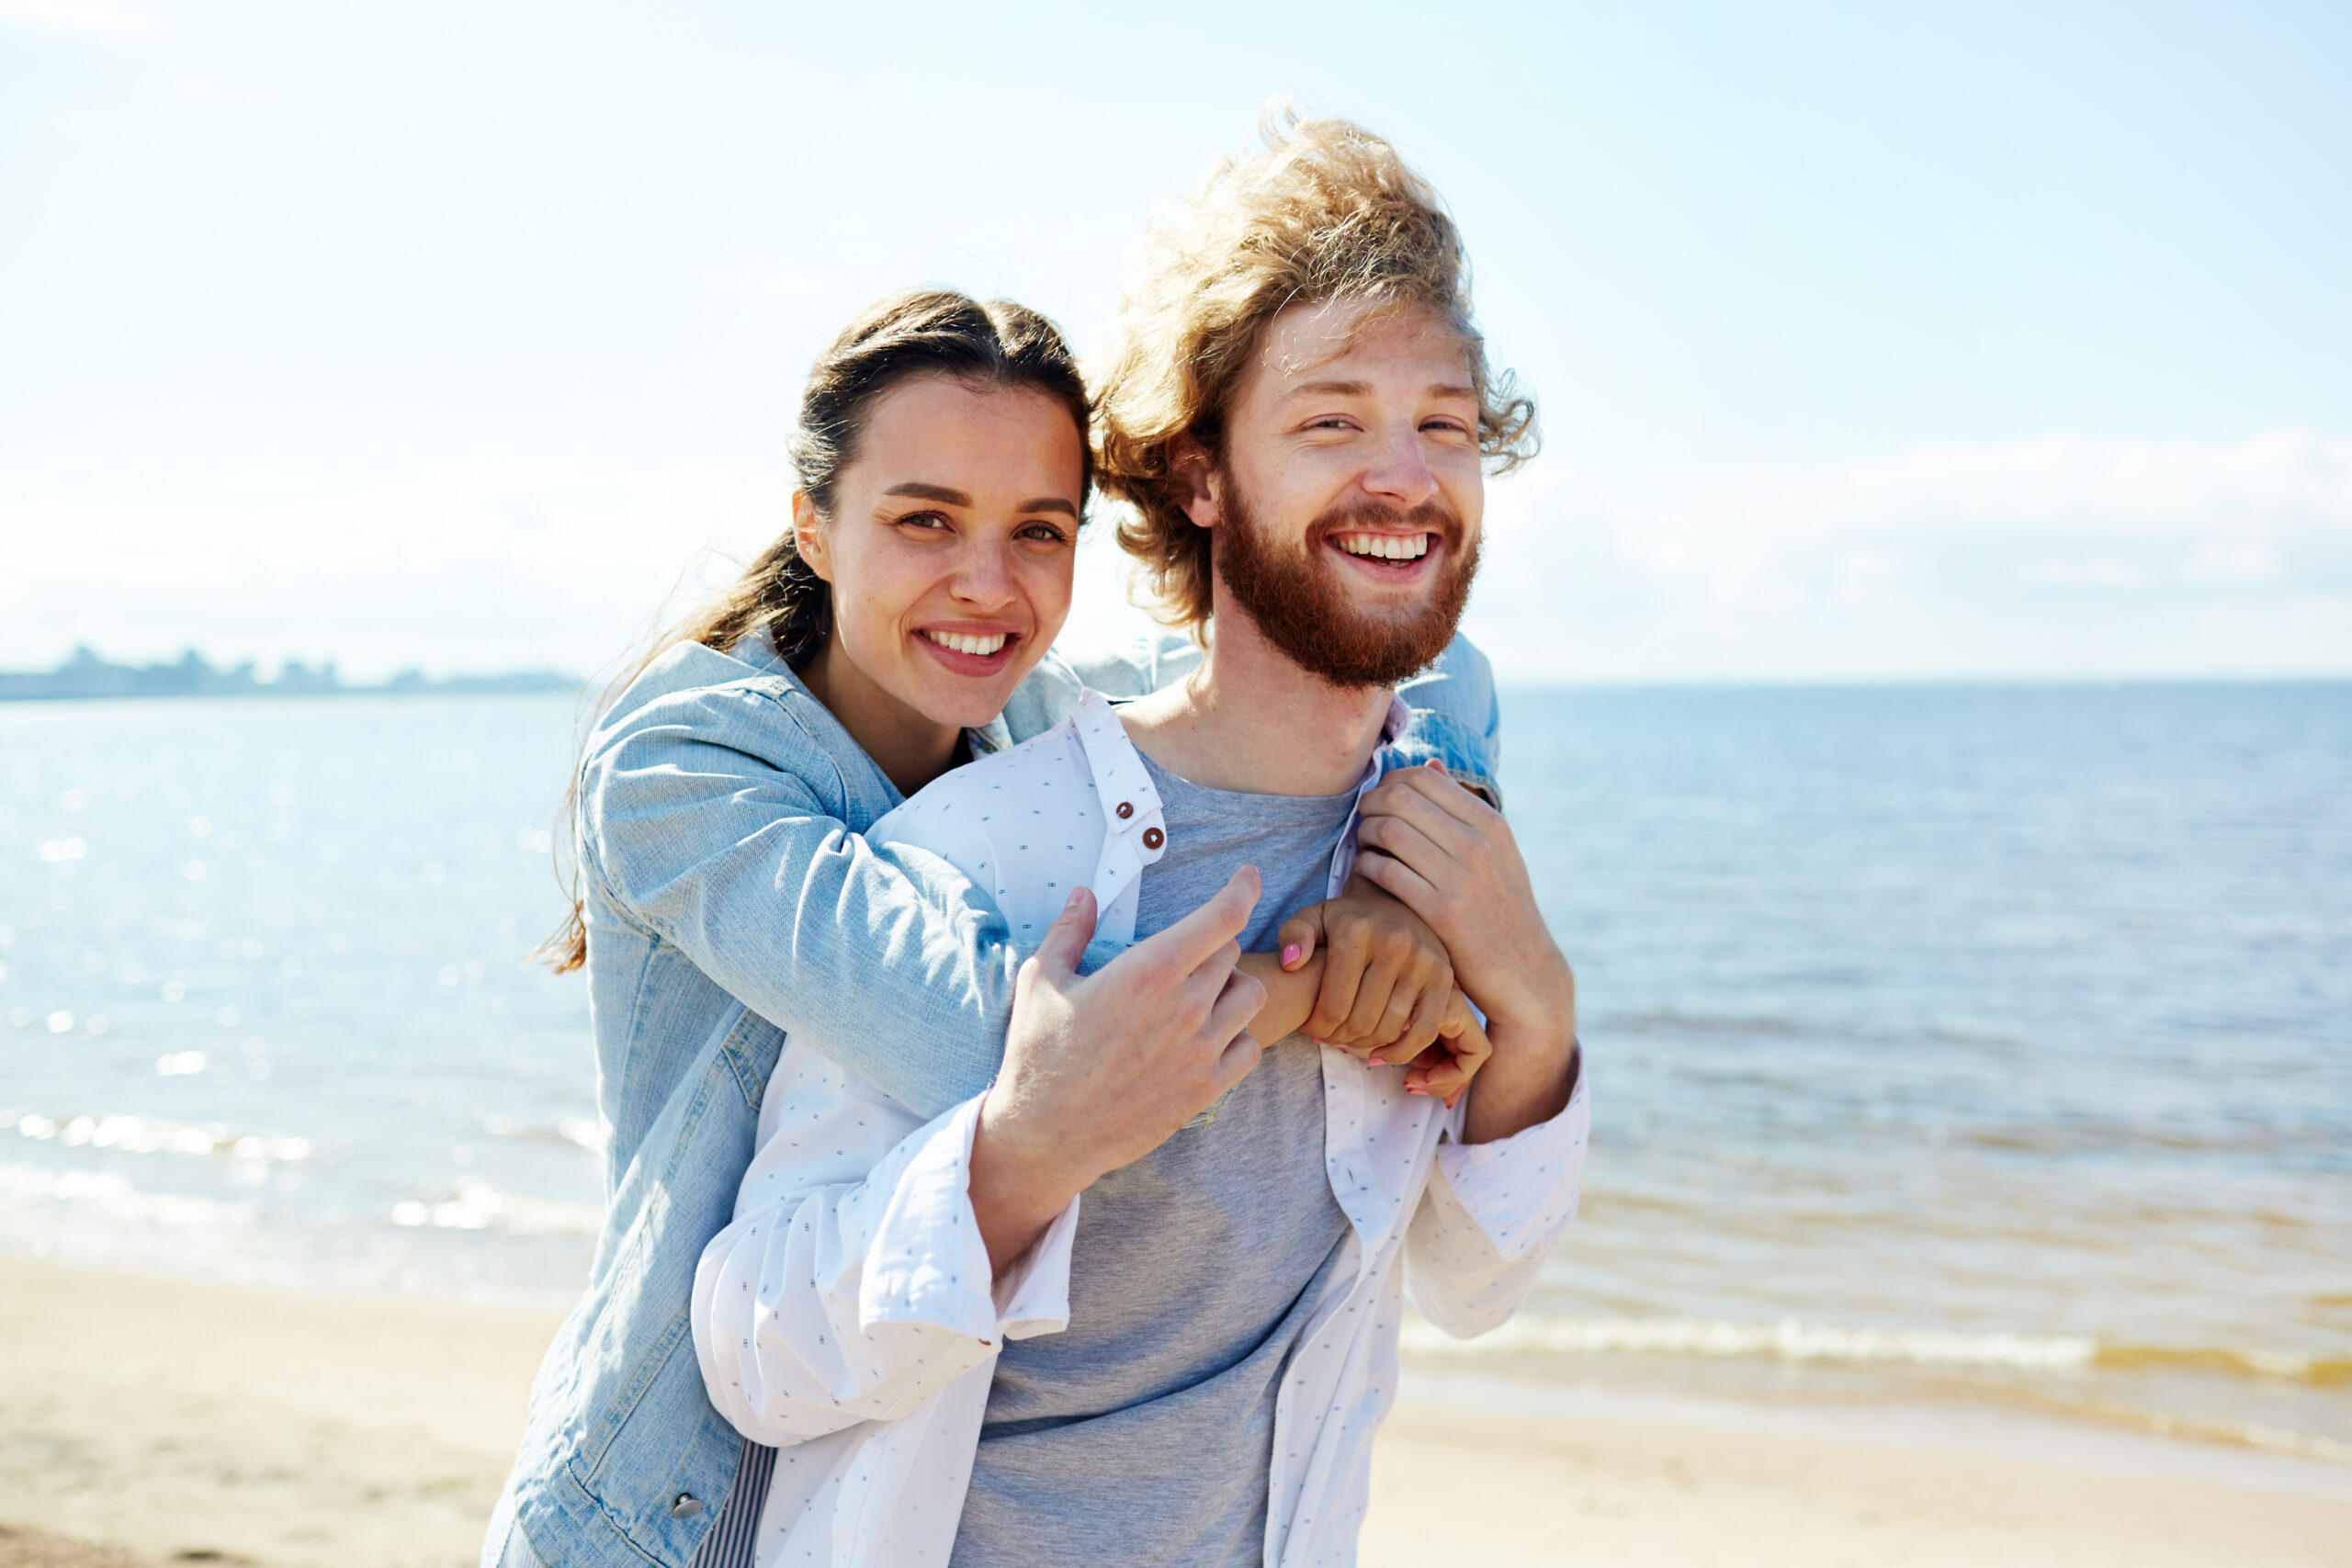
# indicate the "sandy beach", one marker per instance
pixel 147 1421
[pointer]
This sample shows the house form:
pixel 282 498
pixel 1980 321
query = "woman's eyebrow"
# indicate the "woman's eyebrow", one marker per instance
pixel 921 491
pixel 947 497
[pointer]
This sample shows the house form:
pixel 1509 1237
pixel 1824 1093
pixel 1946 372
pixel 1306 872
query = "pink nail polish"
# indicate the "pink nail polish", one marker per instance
pixel 1290 955
pixel 1415 1089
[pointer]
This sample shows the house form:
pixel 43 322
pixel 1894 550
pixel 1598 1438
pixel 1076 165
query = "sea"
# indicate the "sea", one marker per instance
pixel 1951 1047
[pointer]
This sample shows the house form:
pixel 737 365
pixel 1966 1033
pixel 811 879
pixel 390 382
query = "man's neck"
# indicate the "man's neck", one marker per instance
pixel 1251 721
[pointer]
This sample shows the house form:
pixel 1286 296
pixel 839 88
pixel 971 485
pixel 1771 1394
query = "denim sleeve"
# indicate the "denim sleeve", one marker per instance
pixel 1456 720
pixel 704 819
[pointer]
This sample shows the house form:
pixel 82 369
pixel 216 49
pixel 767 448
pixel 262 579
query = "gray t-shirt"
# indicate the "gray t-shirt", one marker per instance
pixel 1142 1434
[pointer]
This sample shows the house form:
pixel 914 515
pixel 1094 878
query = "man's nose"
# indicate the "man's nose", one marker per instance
pixel 1400 470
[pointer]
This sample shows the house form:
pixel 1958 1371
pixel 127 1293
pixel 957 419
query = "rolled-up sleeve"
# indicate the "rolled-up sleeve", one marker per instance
pixel 1491 1213
pixel 830 1304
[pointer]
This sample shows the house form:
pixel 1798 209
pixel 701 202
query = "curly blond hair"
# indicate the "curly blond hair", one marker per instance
pixel 1324 209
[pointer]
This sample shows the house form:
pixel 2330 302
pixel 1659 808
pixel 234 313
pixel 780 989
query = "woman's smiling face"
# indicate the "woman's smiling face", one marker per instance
pixel 950 549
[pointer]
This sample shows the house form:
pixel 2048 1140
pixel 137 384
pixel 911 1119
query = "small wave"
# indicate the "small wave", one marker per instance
pixel 1792 1340
pixel 150 1134
pixel 2279 1366
pixel 1787 1341
pixel 583 1132
pixel 1671 1021
pixel 478 1207
pixel 114 1199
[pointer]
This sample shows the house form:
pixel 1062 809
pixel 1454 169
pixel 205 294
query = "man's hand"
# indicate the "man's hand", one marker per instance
pixel 1097 1071
pixel 1387 979
pixel 1452 858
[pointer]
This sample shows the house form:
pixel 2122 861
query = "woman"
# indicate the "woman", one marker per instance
pixel 727 895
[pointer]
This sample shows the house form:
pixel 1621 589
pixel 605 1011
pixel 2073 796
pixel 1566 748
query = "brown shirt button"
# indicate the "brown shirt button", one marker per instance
pixel 1153 838
pixel 1126 809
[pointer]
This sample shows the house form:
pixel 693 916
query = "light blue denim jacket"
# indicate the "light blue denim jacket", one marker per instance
pixel 729 899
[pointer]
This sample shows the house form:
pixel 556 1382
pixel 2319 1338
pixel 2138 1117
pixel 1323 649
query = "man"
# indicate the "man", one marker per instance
pixel 1301 413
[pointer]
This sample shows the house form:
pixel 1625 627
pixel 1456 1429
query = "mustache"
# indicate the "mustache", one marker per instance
pixel 1432 517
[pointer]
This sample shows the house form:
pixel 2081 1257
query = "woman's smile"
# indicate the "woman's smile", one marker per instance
pixel 969 649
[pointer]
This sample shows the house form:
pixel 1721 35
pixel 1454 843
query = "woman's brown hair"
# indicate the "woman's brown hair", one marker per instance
pixel 923 332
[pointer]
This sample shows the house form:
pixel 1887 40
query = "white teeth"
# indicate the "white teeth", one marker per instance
pixel 1389 546
pixel 982 646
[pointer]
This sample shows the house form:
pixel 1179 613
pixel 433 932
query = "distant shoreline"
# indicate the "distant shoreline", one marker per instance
pixel 87 677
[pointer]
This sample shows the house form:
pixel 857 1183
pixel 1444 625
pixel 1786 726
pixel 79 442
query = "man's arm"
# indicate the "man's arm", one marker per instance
pixel 1452 858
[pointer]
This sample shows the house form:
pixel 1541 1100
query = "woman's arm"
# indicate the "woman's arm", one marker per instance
pixel 711 817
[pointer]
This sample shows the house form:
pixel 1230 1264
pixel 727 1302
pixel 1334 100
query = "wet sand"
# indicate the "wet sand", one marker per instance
pixel 147 1422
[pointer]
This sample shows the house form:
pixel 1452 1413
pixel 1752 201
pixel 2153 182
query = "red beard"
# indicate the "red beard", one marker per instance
pixel 1299 603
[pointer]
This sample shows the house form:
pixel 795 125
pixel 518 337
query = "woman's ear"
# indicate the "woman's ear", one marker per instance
pixel 808 535
pixel 1200 487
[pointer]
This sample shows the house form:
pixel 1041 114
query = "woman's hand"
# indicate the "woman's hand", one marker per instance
pixel 1446 1069
pixel 1386 977
pixel 1098 1070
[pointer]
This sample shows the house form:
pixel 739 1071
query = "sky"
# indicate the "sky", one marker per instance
pixel 1930 341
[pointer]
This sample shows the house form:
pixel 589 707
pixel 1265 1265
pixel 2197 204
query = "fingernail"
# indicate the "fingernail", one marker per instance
pixel 1073 897
pixel 1415 1089
pixel 1290 955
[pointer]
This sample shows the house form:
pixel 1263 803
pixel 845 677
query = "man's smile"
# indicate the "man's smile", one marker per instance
pixel 1383 546
pixel 1388 557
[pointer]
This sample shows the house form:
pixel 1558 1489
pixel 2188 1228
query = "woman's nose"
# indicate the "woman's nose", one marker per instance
pixel 984 577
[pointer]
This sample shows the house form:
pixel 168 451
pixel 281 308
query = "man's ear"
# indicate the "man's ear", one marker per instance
pixel 808 535
pixel 1200 487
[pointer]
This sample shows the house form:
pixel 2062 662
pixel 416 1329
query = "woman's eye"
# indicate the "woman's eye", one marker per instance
pixel 922 520
pixel 1045 531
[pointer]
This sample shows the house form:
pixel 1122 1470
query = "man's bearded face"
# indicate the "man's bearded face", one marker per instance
pixel 1300 597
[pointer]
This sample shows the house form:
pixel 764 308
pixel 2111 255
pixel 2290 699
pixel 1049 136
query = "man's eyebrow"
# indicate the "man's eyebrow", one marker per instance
pixel 947 497
pixel 1363 388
